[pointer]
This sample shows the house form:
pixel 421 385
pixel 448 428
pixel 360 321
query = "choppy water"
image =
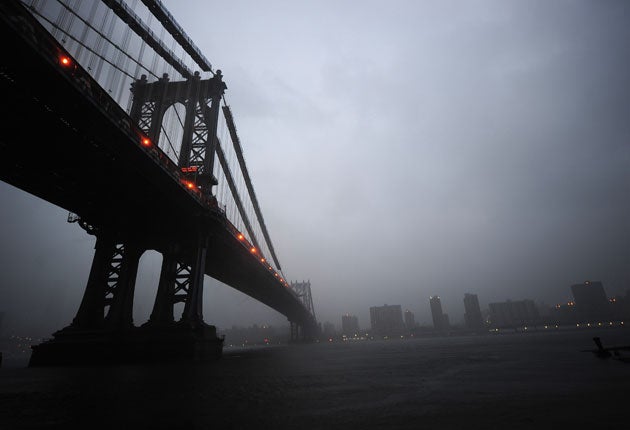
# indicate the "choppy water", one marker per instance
pixel 534 380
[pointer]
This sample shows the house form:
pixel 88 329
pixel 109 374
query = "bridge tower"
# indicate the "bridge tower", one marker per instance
pixel 303 332
pixel 181 276
pixel 103 326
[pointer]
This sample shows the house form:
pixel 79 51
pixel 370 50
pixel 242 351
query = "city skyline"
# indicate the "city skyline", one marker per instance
pixel 523 306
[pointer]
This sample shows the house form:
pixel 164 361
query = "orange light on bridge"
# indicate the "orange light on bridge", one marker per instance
pixel 190 185
pixel 146 141
pixel 276 275
pixel 241 237
pixel 262 260
pixel 65 61
pixel 253 250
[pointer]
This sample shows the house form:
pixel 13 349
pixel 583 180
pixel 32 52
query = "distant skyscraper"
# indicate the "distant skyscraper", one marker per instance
pixel 349 325
pixel 591 302
pixel 513 314
pixel 440 322
pixel 410 319
pixel 328 330
pixel 387 320
pixel 472 313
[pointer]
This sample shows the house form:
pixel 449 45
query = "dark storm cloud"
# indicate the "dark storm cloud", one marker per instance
pixel 421 148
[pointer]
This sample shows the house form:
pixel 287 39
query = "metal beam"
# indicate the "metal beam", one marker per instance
pixel 168 22
pixel 134 22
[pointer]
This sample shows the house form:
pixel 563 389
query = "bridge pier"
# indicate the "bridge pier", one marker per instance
pixel 293 332
pixel 111 283
pixel 193 309
pixel 165 299
pixel 94 337
pixel 120 315
pixel 301 332
pixel 90 313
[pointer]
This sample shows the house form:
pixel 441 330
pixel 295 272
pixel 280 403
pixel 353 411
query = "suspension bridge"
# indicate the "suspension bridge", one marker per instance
pixel 112 112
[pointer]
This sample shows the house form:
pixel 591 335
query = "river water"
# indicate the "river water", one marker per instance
pixel 515 381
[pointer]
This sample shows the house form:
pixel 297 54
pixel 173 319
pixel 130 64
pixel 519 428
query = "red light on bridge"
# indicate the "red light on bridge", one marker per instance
pixel 65 61
pixel 146 141
pixel 190 185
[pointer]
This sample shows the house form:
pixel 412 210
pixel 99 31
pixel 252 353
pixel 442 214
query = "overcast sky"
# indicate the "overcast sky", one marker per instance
pixel 399 150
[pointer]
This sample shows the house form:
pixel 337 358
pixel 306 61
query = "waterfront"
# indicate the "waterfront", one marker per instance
pixel 526 380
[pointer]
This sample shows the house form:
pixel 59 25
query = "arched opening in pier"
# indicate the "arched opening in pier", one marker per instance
pixel 178 310
pixel 172 131
pixel 146 286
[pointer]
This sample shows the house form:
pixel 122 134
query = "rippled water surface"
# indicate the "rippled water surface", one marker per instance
pixel 534 380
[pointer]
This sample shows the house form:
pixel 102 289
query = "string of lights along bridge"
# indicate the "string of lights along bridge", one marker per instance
pixel 135 101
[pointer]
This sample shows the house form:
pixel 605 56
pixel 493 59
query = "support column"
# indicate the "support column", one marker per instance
pixel 165 298
pixel 294 331
pixel 90 313
pixel 189 120
pixel 193 309
pixel 158 111
pixel 120 313
pixel 138 88
pixel 212 118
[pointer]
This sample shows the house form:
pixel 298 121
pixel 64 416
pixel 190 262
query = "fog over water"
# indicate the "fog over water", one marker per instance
pixel 523 381
pixel 398 151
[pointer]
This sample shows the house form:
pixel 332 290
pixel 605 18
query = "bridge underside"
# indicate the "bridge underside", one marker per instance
pixel 62 141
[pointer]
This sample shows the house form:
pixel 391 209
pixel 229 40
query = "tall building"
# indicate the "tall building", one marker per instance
pixel 472 312
pixel 410 320
pixel 440 321
pixel 513 314
pixel 591 303
pixel 387 320
pixel 349 325
pixel 329 330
